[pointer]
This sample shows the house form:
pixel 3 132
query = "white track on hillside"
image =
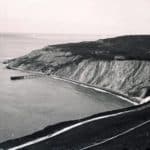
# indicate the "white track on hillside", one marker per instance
pixel 66 129
pixel 116 136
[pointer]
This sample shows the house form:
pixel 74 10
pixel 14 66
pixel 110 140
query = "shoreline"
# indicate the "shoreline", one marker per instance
pixel 85 85
pixel 76 123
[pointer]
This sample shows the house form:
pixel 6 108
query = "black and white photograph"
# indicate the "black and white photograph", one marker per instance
pixel 74 74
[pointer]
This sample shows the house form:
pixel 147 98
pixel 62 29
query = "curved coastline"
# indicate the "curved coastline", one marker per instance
pixel 99 130
pixel 117 94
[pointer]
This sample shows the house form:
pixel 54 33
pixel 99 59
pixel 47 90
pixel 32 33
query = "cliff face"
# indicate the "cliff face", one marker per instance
pixel 121 64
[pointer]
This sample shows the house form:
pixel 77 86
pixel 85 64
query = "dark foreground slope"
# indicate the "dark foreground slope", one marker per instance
pixel 116 130
pixel 121 63
pixel 138 139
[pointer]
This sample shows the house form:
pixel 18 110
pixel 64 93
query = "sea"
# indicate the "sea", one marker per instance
pixel 29 105
pixel 15 45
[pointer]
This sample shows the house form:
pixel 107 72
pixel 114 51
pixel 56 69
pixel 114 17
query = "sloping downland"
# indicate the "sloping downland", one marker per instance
pixel 120 64
pixel 120 129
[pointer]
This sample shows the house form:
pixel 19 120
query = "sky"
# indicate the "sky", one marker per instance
pixel 75 16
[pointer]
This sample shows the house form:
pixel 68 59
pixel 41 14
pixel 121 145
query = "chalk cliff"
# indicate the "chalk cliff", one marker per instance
pixel 121 64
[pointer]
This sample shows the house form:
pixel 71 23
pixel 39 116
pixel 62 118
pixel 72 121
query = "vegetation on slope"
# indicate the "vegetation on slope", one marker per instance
pixel 121 63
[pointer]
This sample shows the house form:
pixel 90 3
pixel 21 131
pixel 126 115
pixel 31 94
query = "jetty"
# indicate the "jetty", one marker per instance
pixel 17 77
pixel 27 76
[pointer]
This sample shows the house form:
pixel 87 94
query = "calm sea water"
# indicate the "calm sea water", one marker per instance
pixel 13 45
pixel 27 106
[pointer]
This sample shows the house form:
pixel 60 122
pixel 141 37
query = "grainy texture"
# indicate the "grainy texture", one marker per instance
pixel 121 64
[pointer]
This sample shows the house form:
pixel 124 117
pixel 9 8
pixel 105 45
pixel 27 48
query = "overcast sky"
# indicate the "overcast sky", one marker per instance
pixel 75 16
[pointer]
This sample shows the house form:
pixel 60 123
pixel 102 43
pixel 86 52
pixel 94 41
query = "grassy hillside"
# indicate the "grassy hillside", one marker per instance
pixel 121 64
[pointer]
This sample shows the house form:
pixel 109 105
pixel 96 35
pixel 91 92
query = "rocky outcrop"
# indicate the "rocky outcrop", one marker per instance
pixel 121 64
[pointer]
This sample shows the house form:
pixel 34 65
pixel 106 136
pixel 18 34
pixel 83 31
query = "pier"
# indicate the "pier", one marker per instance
pixel 17 77
pixel 27 76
